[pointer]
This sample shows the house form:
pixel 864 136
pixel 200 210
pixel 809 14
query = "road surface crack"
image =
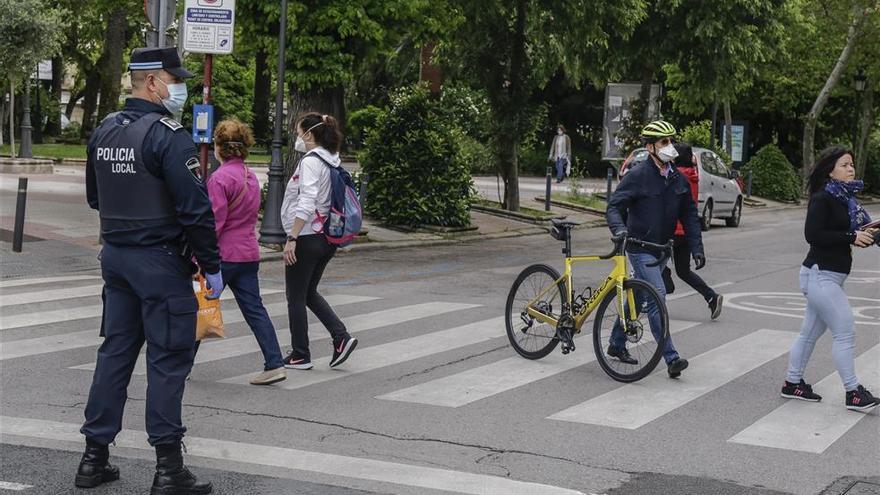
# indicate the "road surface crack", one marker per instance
pixel 432 368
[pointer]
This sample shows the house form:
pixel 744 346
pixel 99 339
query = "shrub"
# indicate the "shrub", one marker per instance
pixel 469 110
pixel 478 156
pixel 699 134
pixel 70 134
pixel 773 176
pixel 872 165
pixel 417 174
pixel 360 121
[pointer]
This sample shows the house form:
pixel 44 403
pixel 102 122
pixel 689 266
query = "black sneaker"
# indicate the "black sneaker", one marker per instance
pixel 715 305
pixel 668 284
pixel 676 366
pixel 297 363
pixel 861 400
pixel 622 355
pixel 341 350
pixel 799 391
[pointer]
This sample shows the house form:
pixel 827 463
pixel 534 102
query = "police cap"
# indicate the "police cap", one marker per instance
pixel 166 59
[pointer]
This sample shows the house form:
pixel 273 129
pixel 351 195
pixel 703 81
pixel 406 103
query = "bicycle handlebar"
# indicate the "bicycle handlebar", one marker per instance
pixel 620 244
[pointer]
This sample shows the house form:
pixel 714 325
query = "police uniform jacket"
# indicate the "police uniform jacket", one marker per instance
pixel 150 192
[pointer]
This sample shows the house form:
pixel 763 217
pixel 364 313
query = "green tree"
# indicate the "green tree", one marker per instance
pixel 513 49
pixel 29 32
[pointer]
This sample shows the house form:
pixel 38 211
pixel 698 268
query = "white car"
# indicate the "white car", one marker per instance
pixel 719 194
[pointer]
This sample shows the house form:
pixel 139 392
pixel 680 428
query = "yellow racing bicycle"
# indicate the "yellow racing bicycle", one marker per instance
pixel 544 309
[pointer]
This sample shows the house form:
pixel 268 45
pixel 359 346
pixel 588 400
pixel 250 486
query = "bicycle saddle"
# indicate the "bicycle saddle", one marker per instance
pixel 563 223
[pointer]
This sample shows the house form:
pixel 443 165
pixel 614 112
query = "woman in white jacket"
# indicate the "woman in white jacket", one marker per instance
pixel 307 252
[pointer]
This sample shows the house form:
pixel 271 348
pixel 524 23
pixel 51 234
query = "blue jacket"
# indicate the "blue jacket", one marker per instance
pixel 649 205
pixel 169 155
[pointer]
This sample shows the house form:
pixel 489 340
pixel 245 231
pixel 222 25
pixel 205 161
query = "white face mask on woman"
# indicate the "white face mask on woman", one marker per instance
pixel 300 145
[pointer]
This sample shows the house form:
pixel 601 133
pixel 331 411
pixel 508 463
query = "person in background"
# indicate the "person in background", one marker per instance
pixel 833 225
pixel 686 163
pixel 306 203
pixel 235 198
pixel 560 152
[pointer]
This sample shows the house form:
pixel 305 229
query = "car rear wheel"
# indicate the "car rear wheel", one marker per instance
pixel 734 219
pixel 706 219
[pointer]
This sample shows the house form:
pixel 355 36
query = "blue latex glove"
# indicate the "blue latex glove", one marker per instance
pixel 215 283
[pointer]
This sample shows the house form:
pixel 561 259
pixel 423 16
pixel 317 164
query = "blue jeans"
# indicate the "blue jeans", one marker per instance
pixel 827 307
pixel 560 168
pixel 654 276
pixel 243 280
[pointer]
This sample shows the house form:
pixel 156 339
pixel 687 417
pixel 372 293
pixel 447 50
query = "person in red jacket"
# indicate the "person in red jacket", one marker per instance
pixel 686 163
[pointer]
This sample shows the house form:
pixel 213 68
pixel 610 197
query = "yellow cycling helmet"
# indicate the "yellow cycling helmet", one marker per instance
pixel 656 130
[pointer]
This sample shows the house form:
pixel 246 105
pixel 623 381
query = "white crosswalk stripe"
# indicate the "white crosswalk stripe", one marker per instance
pixel 400 351
pixel 10 322
pixel 50 295
pixel 238 346
pixel 813 426
pixel 87 338
pixel 46 280
pixel 492 379
pixel 637 404
pixel 407 475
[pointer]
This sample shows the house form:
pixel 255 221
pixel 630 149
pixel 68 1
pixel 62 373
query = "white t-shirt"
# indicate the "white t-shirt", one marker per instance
pixel 308 192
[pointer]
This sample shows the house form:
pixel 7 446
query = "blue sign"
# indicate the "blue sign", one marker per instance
pixel 203 124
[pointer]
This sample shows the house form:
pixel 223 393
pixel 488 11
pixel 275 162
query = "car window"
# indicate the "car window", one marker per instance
pixel 707 159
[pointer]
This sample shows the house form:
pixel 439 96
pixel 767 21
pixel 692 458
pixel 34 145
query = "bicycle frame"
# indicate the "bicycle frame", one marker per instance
pixel 614 281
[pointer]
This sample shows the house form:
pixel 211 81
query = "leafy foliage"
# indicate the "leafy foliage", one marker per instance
pixel 700 134
pixel 417 174
pixel 30 31
pixel 773 176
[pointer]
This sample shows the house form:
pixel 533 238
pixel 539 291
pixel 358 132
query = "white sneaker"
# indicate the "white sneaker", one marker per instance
pixel 269 377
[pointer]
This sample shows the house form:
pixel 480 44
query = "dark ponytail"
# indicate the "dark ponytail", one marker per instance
pixel 324 129
pixel 824 165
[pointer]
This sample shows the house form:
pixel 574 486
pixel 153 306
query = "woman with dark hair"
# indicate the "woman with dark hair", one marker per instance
pixel 834 223
pixel 307 252
pixel 686 163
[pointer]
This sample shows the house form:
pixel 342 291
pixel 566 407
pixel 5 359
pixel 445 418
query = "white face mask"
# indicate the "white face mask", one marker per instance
pixel 300 145
pixel 559 131
pixel 667 153
pixel 177 95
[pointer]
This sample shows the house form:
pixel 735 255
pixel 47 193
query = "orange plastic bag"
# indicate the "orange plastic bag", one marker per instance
pixel 210 321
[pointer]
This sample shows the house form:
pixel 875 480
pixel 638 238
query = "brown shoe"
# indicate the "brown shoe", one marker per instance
pixel 269 377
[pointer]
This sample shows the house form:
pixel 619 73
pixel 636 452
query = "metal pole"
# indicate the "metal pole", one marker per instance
pixel 714 123
pixel 365 178
pixel 610 175
pixel 749 185
pixel 18 230
pixel 206 96
pixel 26 149
pixel 271 231
pixel 547 195
pixel 163 23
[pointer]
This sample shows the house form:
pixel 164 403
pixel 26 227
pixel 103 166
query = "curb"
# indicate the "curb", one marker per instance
pixel 510 215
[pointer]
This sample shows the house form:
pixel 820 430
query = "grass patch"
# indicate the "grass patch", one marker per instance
pixel 57 150
pixel 587 200
pixel 523 210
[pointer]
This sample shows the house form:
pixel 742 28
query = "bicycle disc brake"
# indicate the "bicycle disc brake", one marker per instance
pixel 565 333
pixel 634 331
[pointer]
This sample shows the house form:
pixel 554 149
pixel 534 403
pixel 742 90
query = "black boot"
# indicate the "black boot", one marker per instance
pixel 94 468
pixel 172 477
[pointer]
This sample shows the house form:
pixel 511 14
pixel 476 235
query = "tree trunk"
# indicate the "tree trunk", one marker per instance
pixel 53 123
pixel 330 101
pixel 12 118
pixel 115 40
pixel 728 133
pixel 71 103
pixel 866 118
pixel 509 172
pixel 858 16
pixel 262 97
pixel 90 101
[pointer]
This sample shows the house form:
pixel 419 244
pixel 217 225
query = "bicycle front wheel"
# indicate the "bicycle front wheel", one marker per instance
pixel 529 337
pixel 627 348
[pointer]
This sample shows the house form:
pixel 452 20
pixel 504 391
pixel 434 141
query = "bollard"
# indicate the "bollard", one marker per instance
pixel 608 184
pixel 749 186
pixel 547 196
pixel 18 230
pixel 362 194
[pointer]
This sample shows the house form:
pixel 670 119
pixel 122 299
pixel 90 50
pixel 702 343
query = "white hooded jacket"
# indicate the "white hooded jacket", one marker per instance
pixel 308 191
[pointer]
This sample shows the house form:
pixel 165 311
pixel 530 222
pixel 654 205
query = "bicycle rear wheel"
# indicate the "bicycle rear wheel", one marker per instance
pixel 645 344
pixel 529 337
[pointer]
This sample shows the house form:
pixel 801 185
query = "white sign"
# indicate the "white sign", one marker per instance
pixel 44 71
pixel 736 140
pixel 619 99
pixel 209 26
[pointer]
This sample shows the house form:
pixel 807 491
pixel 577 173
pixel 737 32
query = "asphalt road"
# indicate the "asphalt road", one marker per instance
pixel 435 401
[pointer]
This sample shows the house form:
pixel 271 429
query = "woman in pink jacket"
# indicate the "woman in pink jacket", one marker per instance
pixel 235 197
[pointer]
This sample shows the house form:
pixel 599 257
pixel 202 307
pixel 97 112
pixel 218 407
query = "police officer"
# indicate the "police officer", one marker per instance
pixel 142 175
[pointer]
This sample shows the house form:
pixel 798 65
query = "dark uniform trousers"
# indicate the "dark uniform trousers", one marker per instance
pixel 148 296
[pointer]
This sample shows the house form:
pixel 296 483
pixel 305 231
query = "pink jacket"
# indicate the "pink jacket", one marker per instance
pixel 235 223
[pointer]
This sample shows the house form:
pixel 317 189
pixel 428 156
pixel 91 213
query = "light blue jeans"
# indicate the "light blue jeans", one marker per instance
pixel 827 307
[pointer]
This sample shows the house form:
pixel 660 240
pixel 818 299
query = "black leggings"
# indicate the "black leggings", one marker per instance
pixel 681 257
pixel 313 252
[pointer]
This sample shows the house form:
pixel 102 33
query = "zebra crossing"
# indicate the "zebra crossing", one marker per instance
pixel 793 425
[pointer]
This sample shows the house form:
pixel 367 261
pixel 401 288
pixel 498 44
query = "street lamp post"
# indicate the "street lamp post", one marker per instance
pixel 859 86
pixel 270 230
pixel 26 148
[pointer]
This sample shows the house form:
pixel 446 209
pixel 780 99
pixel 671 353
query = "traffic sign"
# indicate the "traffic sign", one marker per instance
pixel 209 26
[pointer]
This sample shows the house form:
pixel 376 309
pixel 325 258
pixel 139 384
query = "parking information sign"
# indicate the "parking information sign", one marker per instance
pixel 209 26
